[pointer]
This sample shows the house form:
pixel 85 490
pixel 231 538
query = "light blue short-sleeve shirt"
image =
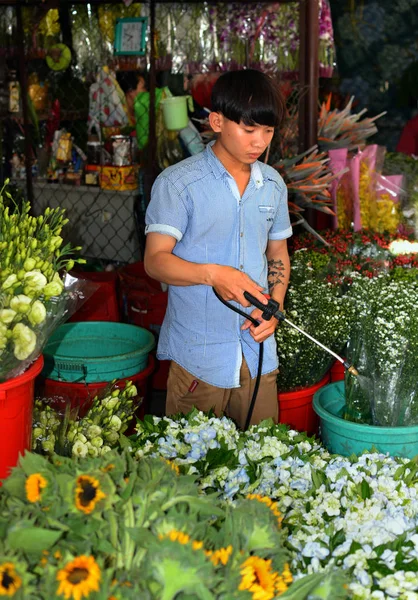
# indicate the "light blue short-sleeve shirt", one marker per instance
pixel 198 203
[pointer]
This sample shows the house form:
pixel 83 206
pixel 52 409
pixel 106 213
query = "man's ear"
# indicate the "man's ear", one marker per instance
pixel 216 120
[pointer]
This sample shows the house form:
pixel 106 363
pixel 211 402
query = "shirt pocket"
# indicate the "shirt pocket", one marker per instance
pixel 266 213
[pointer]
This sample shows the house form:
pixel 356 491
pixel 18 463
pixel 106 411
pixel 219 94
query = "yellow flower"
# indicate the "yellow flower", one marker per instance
pixel 196 545
pixel 10 582
pixel 34 485
pixel 258 578
pixel 176 536
pixel 172 465
pixel 108 468
pixel 269 502
pixel 219 556
pixel 87 493
pixel 78 578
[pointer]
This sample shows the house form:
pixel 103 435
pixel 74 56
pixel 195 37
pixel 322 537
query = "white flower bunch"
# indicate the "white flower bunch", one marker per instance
pixel 92 435
pixel 31 257
pixel 318 307
pixel 360 514
pixel 384 346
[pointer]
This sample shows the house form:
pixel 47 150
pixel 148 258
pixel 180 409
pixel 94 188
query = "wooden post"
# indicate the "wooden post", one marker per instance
pixel 151 157
pixel 23 80
pixel 308 79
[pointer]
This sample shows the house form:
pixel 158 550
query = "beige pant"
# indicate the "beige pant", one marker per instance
pixel 184 391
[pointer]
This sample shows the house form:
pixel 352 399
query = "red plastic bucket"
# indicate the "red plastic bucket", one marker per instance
pixel 337 372
pixel 103 303
pixel 81 394
pixel 142 300
pixel 295 408
pixel 16 408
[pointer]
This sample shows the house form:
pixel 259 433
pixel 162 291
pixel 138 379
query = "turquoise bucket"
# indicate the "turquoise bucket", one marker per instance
pixel 345 438
pixel 96 351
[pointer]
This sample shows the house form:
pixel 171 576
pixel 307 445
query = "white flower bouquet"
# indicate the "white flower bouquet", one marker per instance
pixel 384 347
pixel 316 305
pixel 60 429
pixel 34 297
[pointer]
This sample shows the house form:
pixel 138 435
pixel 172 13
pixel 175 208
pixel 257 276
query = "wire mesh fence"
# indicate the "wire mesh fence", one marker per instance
pixel 75 101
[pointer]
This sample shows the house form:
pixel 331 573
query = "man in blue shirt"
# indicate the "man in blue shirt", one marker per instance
pixel 220 219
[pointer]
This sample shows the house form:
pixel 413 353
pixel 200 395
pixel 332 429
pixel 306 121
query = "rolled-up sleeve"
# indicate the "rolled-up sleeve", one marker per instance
pixel 167 211
pixel 281 228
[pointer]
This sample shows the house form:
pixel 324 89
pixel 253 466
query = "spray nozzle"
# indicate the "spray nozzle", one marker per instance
pixel 350 368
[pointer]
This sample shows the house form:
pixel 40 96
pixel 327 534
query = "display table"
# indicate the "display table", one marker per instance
pixel 101 221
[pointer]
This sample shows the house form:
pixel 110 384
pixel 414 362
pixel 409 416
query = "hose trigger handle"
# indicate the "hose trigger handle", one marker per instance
pixel 269 310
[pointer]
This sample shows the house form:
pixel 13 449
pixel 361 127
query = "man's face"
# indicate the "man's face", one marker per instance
pixel 246 143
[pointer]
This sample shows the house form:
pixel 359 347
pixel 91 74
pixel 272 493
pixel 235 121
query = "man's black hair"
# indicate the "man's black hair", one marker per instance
pixel 249 96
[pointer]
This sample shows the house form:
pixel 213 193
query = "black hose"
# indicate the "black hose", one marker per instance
pixel 260 357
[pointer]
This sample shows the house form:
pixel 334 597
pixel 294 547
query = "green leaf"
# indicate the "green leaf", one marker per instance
pixel 365 490
pixel 300 589
pixel 32 539
pixel 33 463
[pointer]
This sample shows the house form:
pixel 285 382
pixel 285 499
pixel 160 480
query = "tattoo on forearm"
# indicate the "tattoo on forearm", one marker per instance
pixel 275 274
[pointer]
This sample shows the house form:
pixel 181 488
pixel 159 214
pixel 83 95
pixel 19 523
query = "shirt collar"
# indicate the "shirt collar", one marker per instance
pixel 219 170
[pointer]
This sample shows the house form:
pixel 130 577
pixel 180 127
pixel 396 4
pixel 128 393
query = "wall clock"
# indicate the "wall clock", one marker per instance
pixel 130 34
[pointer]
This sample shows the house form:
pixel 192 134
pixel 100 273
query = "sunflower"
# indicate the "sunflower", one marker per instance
pixel 268 502
pixel 34 485
pixel 258 578
pixel 87 493
pixel 78 578
pixel 10 582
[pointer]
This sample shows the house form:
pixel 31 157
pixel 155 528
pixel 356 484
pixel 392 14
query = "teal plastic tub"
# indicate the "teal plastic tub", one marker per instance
pixel 96 351
pixel 345 438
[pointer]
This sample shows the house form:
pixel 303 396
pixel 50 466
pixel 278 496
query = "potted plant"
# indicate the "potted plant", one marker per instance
pixel 318 306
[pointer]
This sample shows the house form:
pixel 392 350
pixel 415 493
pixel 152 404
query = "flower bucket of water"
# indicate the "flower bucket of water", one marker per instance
pixel 346 438
pixel 295 408
pixel 16 407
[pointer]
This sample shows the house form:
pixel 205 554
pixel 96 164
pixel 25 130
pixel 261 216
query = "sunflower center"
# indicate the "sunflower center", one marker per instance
pixel 78 575
pixel 7 580
pixel 257 579
pixel 88 494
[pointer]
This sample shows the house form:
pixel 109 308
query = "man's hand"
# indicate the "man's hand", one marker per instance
pixel 231 285
pixel 264 330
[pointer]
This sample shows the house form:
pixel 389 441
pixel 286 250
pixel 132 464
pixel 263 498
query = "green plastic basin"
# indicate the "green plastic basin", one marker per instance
pixel 344 437
pixel 96 351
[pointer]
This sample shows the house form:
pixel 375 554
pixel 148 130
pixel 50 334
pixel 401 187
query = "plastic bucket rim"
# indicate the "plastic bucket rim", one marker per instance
pixel 147 348
pixel 30 373
pixel 326 415
pixel 147 372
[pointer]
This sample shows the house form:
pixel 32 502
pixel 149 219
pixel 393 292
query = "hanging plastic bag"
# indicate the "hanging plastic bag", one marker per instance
pixel 107 102
pixel 338 163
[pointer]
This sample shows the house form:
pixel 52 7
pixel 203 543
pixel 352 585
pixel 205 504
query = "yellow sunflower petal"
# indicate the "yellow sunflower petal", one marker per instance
pixel 34 485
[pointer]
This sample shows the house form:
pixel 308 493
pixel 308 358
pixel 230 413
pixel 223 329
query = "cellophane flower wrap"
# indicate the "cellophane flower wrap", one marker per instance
pixel 316 305
pixel 384 347
pixel 35 298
